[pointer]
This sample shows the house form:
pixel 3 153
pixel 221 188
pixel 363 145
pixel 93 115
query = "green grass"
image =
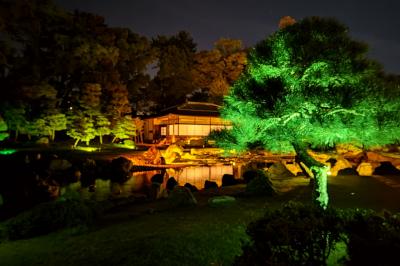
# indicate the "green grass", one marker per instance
pixel 197 236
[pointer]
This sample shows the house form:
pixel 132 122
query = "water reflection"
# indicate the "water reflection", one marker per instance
pixel 105 189
pixel 197 175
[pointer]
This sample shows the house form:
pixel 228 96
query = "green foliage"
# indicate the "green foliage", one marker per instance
pixel 310 85
pixel 296 234
pixel 310 82
pixel 123 128
pixel 259 185
pixel 3 129
pixel 80 128
pixel 51 216
pixel 56 122
pixel 102 126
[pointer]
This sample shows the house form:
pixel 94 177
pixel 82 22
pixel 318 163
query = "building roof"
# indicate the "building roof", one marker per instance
pixel 193 108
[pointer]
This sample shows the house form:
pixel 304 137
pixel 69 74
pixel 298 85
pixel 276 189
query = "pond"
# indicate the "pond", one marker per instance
pixel 137 184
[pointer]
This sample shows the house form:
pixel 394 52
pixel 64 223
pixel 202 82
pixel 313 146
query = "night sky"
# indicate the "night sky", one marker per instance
pixel 375 22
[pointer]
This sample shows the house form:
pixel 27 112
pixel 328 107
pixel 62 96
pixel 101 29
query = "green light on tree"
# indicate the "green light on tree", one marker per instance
pixel 309 85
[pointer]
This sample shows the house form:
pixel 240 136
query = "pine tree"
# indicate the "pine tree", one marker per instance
pixel 309 85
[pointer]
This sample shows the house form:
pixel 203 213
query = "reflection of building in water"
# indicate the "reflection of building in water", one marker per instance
pixel 199 174
pixel 105 189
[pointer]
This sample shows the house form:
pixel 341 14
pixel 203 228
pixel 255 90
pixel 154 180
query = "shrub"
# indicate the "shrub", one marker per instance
pixel 260 185
pixel 51 216
pixel 293 235
pixel 373 239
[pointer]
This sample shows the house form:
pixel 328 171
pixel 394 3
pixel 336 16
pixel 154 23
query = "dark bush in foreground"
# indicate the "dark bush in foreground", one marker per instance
pixel 373 239
pixel 51 216
pixel 260 185
pixel 299 234
pixel 294 235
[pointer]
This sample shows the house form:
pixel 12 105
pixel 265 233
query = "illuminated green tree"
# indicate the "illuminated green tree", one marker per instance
pixel 55 122
pixel 102 126
pixel 309 85
pixel 3 129
pixel 80 128
pixel 123 128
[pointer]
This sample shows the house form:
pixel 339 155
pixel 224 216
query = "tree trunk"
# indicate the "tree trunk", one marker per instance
pixel 113 140
pixel 319 172
pixel 76 143
pixel 101 139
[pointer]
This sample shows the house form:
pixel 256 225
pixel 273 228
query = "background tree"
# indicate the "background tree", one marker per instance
pixel 310 85
pixel 139 127
pixel 286 21
pixel 173 80
pixel 216 70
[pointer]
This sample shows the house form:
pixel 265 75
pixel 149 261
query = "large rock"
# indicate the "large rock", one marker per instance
pixel 348 150
pixel 278 169
pixel 249 175
pixel 228 180
pixel 120 169
pixel 386 168
pixel 366 168
pixel 340 164
pixel 172 153
pixel 157 178
pixel 181 197
pixel 260 185
pixel 384 157
pixel 152 156
pixel 191 187
pixel 171 183
pixel 210 185
pixel 221 201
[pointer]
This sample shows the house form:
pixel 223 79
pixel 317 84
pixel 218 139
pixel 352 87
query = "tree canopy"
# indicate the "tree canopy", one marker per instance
pixel 310 85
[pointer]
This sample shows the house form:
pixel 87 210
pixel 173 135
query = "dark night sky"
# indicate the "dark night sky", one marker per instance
pixel 375 22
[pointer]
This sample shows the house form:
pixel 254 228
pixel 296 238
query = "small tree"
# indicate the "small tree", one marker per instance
pixel 55 122
pixel 309 85
pixel 123 128
pixel 102 126
pixel 80 128
pixel 3 129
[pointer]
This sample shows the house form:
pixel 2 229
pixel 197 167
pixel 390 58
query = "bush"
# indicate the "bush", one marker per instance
pixel 294 235
pixel 260 185
pixel 51 216
pixel 298 234
pixel 373 239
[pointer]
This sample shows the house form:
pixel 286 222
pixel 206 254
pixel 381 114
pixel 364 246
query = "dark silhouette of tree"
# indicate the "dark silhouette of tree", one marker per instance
pixel 173 80
pixel 307 86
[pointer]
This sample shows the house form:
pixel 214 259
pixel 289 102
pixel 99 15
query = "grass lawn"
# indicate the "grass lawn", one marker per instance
pixel 189 236
pixel 153 234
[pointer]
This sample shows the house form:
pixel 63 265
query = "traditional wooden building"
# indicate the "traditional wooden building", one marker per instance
pixel 189 121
